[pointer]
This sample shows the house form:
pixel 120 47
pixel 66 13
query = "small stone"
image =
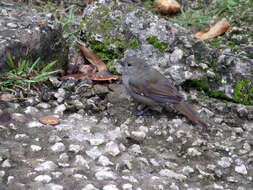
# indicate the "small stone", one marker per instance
pixel 35 148
pixel 110 187
pixel 241 169
pixel 193 152
pixel 60 109
pixel 112 148
pixel 56 175
pixel 12 25
pixel 21 136
pixel 89 187
pixel 58 147
pixel 6 164
pixel 172 174
pixel 31 110
pixel 44 105
pixel 173 186
pixel 104 175
pixel 43 178
pixel 104 161
pixel 80 176
pixel 34 124
pixel 2 173
pixel 187 170
pixel 46 166
pixel 139 135
pixel 9 179
pixel 127 186
pixel 79 161
pixel 54 139
pixel 135 149
pixel 225 162
pixel 154 162
pixel 97 140
pixel 75 148
pixel 94 153
pixel 63 157
pixel 53 186
pixel 216 186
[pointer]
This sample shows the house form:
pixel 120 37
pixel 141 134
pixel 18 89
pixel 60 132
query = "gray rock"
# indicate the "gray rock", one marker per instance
pixel 110 187
pixel 43 178
pixel 89 187
pixel 80 162
pixel 58 147
pixel 112 148
pixel 46 166
pixel 241 169
pixel 23 35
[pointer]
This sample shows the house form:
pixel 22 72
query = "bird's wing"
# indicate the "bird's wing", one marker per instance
pixel 155 86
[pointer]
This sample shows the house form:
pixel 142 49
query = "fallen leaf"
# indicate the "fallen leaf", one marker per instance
pixel 49 120
pixel 167 6
pixel 5 117
pixel 92 57
pixel 218 29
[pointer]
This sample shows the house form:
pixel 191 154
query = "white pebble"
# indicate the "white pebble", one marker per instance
pixel 46 166
pixel 60 109
pixel 104 161
pixel 112 148
pixel 58 147
pixel 6 164
pixel 43 178
pixel 94 153
pixel 75 148
pixel 104 175
pixel 110 187
pixel 81 162
pixel 241 169
pixel 171 174
pixel 127 186
pixel 53 186
pixel 35 148
pixel 89 187
pixel 34 124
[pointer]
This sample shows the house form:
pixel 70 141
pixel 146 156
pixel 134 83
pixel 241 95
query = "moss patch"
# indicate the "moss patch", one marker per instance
pixel 203 85
pixel 243 92
pixel 161 46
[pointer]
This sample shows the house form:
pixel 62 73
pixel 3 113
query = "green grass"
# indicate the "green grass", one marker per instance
pixel 23 75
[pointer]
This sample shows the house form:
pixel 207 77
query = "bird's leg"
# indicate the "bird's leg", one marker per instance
pixel 144 112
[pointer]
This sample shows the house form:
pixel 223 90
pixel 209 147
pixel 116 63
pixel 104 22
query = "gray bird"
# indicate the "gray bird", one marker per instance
pixel 148 86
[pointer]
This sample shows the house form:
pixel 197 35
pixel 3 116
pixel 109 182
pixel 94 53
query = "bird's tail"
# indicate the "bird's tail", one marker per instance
pixel 190 113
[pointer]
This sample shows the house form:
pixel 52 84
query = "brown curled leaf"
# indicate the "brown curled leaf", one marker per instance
pixel 167 6
pixel 49 120
pixel 92 57
pixel 218 29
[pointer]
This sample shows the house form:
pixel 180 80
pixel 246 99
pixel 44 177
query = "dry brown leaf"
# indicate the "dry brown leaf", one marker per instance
pixel 218 29
pixel 167 6
pixel 92 57
pixel 49 120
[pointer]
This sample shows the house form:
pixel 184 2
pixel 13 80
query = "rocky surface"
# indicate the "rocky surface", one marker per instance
pixel 99 144
pixel 129 29
pixel 28 34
